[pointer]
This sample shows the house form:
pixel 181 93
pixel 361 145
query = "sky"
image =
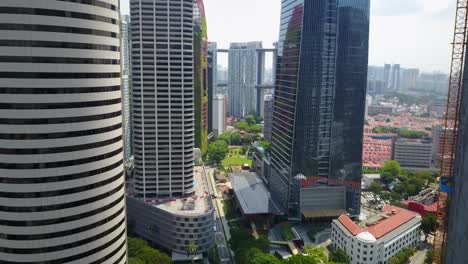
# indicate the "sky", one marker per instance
pixel 413 33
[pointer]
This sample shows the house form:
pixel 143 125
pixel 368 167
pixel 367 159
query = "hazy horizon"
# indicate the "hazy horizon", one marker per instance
pixel 415 34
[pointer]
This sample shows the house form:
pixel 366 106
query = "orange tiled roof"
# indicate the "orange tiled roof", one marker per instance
pixel 396 217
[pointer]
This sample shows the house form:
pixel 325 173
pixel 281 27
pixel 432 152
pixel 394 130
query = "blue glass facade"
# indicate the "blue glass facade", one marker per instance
pixel 320 92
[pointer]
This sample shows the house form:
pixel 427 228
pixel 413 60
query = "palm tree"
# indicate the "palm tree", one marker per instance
pixel 192 250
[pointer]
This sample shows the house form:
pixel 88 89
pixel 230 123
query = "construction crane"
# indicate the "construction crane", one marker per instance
pixel 450 131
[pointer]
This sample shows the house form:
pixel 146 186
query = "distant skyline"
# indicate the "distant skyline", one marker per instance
pixel 413 33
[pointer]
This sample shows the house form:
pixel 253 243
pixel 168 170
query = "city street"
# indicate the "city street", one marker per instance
pixel 222 229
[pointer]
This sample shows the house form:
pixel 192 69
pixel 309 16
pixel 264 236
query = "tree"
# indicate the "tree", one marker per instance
pixel 265 145
pixel 251 120
pixel 318 253
pixel 387 178
pixel 226 137
pixel 242 125
pixel 339 256
pixel 236 139
pixel 392 167
pixel 376 188
pixel 262 258
pixel 428 225
pixel 192 250
pixel 428 259
pixel 301 259
pixel 263 244
pixel 402 257
pixel 140 253
pixel 217 151
pixel 135 261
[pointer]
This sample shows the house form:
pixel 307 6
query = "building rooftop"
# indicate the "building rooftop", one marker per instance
pixel 381 224
pixel 253 196
pixel 196 204
pixel 376 151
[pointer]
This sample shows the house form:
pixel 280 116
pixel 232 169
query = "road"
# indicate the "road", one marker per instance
pixel 222 229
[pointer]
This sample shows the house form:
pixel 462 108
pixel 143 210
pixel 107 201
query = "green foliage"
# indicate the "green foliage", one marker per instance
pixel 263 258
pixel 213 256
pixel 217 151
pixel 392 167
pixel 428 258
pixel 242 125
pixel 340 256
pixel 263 244
pixel 251 120
pixel 229 210
pixel 192 249
pixel 384 129
pixel 286 232
pixel 265 145
pixel 236 139
pixel 403 256
pixel 135 261
pixel 140 253
pixel 301 259
pixel 226 137
pixel 376 188
pixel 387 178
pixel 428 224
pixel 247 249
pixel 412 134
pixel 319 254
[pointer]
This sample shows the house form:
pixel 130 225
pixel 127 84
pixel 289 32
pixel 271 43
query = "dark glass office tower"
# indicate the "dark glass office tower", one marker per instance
pixel 321 81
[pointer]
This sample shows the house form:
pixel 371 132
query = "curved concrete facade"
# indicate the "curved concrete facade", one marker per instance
pixel 173 231
pixel 62 197
pixel 163 97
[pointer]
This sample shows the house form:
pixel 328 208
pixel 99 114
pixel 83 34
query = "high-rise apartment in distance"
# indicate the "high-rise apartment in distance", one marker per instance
pixel 200 46
pixel 167 202
pixel 126 88
pixel 242 81
pixel 62 189
pixel 319 102
pixel 212 82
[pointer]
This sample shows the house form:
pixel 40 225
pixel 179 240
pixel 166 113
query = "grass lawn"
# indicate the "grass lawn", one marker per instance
pixel 228 161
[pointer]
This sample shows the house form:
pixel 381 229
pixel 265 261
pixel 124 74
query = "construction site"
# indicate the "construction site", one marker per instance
pixel 451 236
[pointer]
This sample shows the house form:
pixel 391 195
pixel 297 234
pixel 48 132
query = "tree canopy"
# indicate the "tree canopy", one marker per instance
pixel 140 253
pixel 217 151
pixel 428 224
pixel 392 167
pixel 402 257
pixel 339 256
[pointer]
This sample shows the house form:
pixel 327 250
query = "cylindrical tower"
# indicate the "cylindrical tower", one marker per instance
pixel 163 97
pixel 61 172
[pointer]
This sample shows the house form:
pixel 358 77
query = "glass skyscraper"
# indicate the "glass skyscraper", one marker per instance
pixel 321 80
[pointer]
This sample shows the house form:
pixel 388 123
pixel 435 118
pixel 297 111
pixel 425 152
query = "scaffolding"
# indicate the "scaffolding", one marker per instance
pixel 451 129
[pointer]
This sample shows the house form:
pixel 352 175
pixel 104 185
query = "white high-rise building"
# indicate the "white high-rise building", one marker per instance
pixel 163 97
pixel 243 68
pixel 219 114
pixel 62 196
pixel 168 201
pixel 126 87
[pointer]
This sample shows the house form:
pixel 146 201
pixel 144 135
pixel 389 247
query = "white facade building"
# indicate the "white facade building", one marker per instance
pixel 379 238
pixel 413 153
pixel 163 97
pixel 62 189
pixel 219 114
pixel 243 65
